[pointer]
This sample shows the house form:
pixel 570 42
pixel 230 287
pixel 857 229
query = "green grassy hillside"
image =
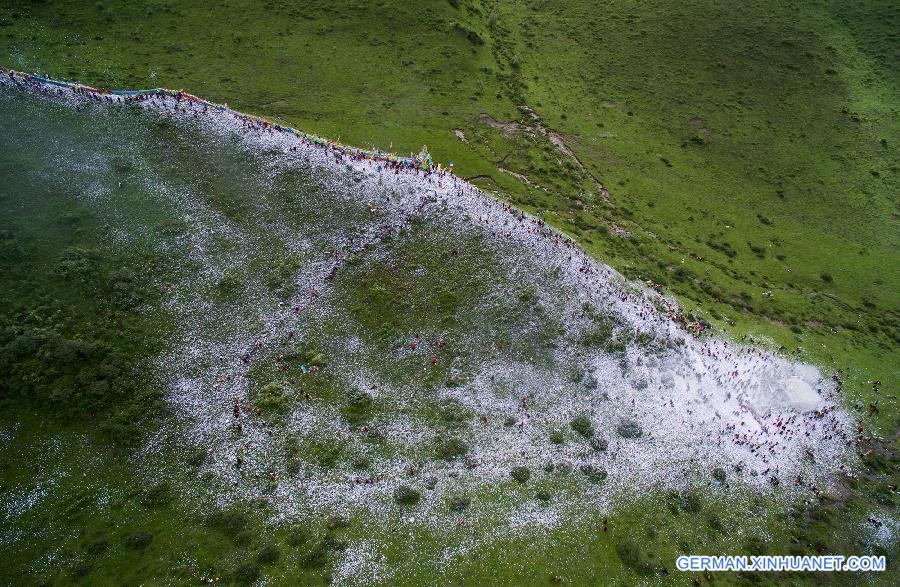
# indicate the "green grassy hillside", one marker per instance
pixel 142 257
pixel 749 153
pixel 743 158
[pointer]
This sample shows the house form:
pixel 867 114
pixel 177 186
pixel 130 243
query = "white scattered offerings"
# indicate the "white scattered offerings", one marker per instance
pixel 669 415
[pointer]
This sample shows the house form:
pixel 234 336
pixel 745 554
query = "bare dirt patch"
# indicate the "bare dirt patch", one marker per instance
pixel 537 125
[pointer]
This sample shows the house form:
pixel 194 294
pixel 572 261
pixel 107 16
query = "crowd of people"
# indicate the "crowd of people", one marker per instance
pixel 185 103
pixel 721 376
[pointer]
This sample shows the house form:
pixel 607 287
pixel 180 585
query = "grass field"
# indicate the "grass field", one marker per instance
pixel 751 154
pixel 748 165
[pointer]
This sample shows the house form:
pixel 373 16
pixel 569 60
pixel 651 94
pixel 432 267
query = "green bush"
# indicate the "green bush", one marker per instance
pixel 630 553
pixel 324 453
pixel 68 376
pixel 460 503
pixel 629 429
pixel 691 503
pixel 358 409
pixel 83 569
pixel 451 449
pixel 520 474
pixel 137 540
pixel 268 555
pixel 97 547
pixel 315 557
pixel 406 495
pixel 583 426
pixel 247 574
pixel 755 546
pixel 243 538
pixel 78 263
pixel 599 444
pixel 126 289
pixel 196 457
pixel 158 495
pixel 452 412
pixel 715 523
pixel 228 521
pixel 281 273
pixel 594 473
pixel 297 536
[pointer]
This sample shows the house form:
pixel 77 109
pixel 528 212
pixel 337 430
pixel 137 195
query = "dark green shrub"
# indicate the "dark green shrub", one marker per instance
pixel 630 553
pixel 127 292
pixel 83 569
pixel 317 555
pixel 230 521
pixel 137 540
pixel 406 495
pixel 97 547
pixel 196 457
pixel 583 426
pixel 268 555
pixel 230 287
pixel 78 262
pixel 332 542
pixel 247 574
pixel 452 448
pixel 594 473
pixel 243 538
pixel 469 34
pixel 719 474
pixel 452 412
pixel 297 536
pixel 755 546
pixel 358 409
pixel 690 502
pixel 599 444
pixel 158 495
pixel 520 474
pixel 629 429
pixel 757 250
pixel 460 503
pixel 337 522
pixel 325 454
